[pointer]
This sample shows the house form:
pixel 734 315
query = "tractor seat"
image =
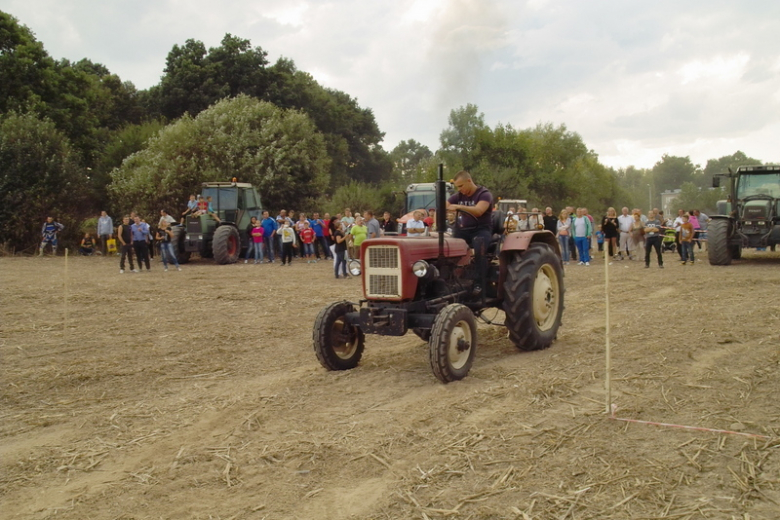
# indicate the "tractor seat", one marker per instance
pixel 498 218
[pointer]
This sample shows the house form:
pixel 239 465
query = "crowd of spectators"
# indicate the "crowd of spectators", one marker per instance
pixel 290 236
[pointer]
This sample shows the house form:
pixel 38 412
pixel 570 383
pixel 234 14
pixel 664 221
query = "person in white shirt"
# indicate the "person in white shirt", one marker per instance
pixel 416 226
pixel 625 221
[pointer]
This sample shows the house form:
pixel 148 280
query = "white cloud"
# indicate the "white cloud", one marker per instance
pixel 636 80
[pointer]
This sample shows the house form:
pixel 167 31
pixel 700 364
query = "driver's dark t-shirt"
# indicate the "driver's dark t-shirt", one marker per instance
pixel 466 220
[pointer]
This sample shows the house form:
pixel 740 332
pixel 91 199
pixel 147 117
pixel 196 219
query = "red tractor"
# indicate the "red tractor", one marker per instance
pixel 431 285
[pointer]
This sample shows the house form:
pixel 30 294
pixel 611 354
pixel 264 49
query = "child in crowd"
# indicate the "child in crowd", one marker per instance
pixel 257 241
pixel 192 208
pixel 308 237
pixel 686 239
pixel 287 234
pixel 600 238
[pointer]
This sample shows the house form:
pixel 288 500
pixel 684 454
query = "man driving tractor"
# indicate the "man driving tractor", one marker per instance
pixel 474 205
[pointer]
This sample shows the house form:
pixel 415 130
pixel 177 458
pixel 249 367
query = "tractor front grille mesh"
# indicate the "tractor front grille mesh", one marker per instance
pixel 382 271
pixel 383 257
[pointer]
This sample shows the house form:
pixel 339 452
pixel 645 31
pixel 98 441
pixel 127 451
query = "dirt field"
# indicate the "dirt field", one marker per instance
pixel 197 394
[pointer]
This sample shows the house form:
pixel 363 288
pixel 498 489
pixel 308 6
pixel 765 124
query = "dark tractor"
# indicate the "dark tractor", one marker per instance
pixel 431 286
pixel 749 217
pixel 235 203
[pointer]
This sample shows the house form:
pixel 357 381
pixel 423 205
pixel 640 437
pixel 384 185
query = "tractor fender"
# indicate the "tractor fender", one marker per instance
pixel 518 242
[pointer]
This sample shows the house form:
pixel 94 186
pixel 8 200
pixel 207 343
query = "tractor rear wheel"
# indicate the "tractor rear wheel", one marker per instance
pixel 338 345
pixel 718 250
pixel 179 232
pixel 453 343
pixel 226 245
pixel 533 297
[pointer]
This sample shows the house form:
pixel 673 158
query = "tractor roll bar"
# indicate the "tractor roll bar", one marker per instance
pixel 441 209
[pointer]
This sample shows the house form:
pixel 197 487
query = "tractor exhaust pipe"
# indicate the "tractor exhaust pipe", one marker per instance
pixel 441 209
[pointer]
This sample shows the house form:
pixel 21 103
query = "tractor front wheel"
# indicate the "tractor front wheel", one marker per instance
pixel 453 343
pixel 226 245
pixel 533 297
pixel 338 345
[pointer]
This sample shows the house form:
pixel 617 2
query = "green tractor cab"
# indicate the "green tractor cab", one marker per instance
pixel 234 204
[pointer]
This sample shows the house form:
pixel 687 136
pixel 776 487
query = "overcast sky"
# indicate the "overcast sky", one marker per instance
pixel 636 79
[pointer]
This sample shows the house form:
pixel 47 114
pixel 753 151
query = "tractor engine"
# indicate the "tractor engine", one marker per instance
pixel 405 282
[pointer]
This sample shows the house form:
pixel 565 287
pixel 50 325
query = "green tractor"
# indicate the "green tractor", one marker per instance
pixel 750 217
pixel 234 203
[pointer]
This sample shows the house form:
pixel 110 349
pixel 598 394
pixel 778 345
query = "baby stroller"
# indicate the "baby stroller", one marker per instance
pixel 669 242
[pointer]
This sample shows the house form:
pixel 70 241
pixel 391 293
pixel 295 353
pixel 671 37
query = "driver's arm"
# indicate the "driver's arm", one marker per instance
pixel 475 211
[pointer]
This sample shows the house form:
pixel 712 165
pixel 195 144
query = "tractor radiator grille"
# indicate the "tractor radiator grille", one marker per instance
pixel 383 257
pixel 382 272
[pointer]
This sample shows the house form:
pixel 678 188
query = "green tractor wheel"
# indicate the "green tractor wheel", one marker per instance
pixel 226 245
pixel 179 232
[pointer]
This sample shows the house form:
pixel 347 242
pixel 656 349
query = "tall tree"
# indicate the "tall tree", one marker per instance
pixel 407 157
pixel 459 140
pixel 723 164
pixel 671 172
pixel 39 177
pixel 280 151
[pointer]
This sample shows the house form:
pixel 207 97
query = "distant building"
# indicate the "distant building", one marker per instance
pixel 667 202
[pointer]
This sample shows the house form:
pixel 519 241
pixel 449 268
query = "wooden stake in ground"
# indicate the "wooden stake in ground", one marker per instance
pixel 608 370
pixel 65 283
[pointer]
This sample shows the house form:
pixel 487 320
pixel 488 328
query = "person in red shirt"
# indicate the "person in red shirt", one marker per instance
pixel 308 236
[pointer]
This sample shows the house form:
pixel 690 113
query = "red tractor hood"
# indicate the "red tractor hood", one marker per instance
pixel 391 278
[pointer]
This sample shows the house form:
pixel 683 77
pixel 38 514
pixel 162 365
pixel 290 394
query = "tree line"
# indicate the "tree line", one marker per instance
pixel 76 139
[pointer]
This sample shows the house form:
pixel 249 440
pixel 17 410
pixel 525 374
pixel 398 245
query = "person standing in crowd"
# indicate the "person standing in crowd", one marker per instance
pixel 256 237
pixel 637 233
pixel 677 223
pixel 582 231
pixel 320 244
pixel 141 237
pixel 563 232
pixel 347 220
pixel 687 233
pixel 105 230
pixel 281 218
pixel 49 235
pixel 416 225
pixel 653 238
pixel 610 227
pixel 625 222
pixel 340 249
pixel 269 235
pixel 87 246
pixel 703 220
pixel 164 236
pixel 299 226
pixel 374 231
pixel 388 225
pixel 600 238
pixel 334 225
pixel 359 233
pixel 696 227
pixel 250 247
pixel 308 239
pixel 165 217
pixel 287 236
pixel 550 221
pixel 125 235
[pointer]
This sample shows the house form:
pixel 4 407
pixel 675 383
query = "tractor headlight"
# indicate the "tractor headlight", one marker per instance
pixel 420 268
pixel 354 267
